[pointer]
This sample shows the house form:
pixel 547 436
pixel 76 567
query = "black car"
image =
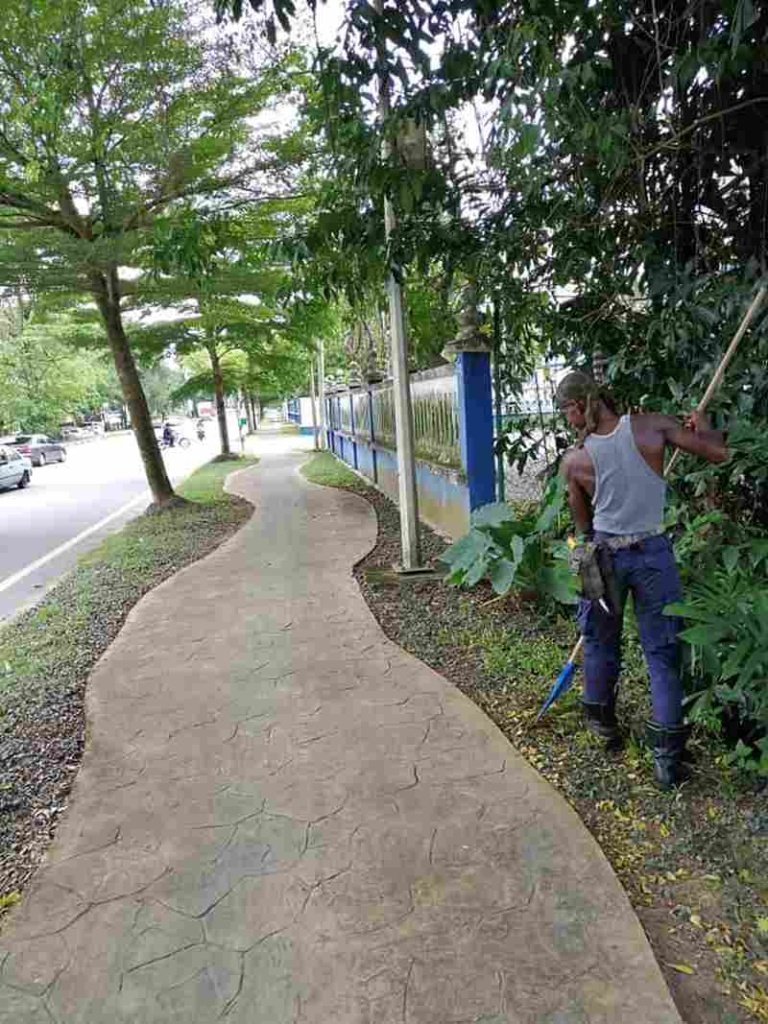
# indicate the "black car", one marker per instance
pixel 38 448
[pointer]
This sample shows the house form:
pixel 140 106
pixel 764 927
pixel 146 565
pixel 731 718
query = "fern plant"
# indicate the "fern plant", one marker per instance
pixel 727 631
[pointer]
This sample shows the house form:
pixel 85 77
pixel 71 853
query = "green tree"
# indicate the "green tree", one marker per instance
pixel 110 113
pixel 226 332
pixel 340 244
pixel 219 268
pixel 161 381
pixel 46 379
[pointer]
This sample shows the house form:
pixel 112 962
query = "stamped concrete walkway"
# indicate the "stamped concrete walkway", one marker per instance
pixel 282 818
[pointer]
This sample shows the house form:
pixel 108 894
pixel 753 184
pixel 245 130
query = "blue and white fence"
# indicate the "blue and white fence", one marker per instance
pixel 453 438
pixel 299 412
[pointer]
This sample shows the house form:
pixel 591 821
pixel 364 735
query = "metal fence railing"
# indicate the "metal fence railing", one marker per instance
pixel 436 416
pixel 370 414
pixel 361 412
pixel 537 395
pixel 383 402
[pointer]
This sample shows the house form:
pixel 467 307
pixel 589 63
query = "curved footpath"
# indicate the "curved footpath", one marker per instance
pixel 283 818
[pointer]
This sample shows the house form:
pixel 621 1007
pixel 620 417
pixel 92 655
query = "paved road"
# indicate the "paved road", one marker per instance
pixel 100 479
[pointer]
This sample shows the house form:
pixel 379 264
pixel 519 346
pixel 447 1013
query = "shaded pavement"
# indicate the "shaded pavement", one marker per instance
pixel 283 818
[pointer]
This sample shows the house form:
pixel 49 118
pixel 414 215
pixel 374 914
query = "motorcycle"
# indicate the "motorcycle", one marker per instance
pixel 178 442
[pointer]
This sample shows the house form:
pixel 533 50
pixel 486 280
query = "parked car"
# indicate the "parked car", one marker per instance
pixel 15 469
pixel 114 421
pixel 38 448
pixel 71 432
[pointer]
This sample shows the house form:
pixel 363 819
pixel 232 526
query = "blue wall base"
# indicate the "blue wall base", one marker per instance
pixel 443 495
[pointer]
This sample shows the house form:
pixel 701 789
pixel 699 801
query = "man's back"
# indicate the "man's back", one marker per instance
pixel 649 434
pixel 628 494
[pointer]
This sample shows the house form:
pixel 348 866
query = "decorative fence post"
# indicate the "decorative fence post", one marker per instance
pixel 373 376
pixel 473 383
pixel 374 456
pixel 353 427
pixel 473 380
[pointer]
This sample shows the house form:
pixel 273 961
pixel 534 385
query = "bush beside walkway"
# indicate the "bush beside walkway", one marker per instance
pixel 693 863
pixel 47 653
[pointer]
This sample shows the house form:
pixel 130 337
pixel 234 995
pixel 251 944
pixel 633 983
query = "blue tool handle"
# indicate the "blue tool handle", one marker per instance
pixel 566 676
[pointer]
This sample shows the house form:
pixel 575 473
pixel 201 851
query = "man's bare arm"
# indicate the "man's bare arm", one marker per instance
pixel 697 438
pixel 578 499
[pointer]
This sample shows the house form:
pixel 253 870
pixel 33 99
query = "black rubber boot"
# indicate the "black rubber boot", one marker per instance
pixel 601 722
pixel 668 745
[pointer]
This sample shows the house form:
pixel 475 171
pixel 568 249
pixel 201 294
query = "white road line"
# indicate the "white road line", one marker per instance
pixel 11 581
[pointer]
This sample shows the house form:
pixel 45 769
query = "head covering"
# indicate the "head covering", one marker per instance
pixel 580 387
pixel 576 387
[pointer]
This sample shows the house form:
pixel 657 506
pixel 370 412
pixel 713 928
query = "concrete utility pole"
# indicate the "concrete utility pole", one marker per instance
pixel 321 391
pixel 313 402
pixel 406 467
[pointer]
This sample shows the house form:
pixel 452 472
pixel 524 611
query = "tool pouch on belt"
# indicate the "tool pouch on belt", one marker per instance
pixel 612 594
pixel 598 583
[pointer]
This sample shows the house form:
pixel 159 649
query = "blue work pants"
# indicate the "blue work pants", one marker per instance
pixel 647 570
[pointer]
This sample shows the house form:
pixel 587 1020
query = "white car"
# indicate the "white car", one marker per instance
pixel 15 469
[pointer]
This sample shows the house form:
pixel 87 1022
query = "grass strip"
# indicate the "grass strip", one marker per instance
pixel 694 863
pixel 47 653
pixel 325 469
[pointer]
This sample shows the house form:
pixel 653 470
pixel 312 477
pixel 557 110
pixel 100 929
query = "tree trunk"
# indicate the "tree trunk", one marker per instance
pixel 248 412
pixel 221 408
pixel 106 291
pixel 254 413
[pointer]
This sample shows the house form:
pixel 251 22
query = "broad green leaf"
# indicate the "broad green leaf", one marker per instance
pixel 517 547
pixel 527 140
pixel 492 515
pixel 755 664
pixel 476 572
pixel 730 557
pixel 704 635
pixel 735 660
pixel 686 610
pixel 744 16
pixel 463 552
pixel 559 584
pixel 502 575
pixel 552 506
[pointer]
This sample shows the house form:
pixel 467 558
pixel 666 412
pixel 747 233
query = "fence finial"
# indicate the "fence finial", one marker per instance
pixel 471 337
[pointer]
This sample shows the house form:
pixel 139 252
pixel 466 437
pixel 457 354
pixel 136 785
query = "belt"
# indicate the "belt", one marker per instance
pixel 627 540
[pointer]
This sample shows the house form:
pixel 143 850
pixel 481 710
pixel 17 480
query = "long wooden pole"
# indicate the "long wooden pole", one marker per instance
pixel 730 352
pixel 714 384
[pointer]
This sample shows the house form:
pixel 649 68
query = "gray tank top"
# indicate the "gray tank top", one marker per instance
pixel 629 495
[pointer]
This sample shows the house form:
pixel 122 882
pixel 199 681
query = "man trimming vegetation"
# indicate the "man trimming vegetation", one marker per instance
pixel 616 491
